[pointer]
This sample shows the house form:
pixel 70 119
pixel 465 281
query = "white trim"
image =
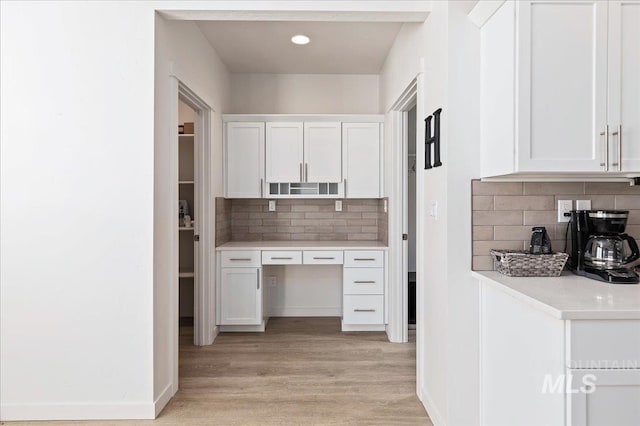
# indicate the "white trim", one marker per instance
pixel 483 11
pixel 162 401
pixel 305 311
pixel 432 411
pixel 345 118
pixel 420 236
pixel 244 328
pixel 78 411
pixel 326 10
pixel 204 293
pixel 398 329
pixel 363 327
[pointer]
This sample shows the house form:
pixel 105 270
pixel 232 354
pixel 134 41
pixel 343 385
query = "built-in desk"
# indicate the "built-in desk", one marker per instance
pixel 240 297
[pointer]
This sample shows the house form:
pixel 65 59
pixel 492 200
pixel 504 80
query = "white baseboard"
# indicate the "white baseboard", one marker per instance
pixel 363 327
pixel 432 411
pixel 305 311
pixel 78 411
pixel 243 328
pixel 164 398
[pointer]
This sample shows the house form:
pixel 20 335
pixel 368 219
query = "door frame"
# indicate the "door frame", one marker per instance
pixel 204 291
pixel 398 328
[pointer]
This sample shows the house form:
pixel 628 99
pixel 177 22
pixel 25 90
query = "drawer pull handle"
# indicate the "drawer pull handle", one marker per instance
pixel 364 282
pixel 282 258
pixel 240 259
pixel 365 258
pixel 364 310
pixel 324 258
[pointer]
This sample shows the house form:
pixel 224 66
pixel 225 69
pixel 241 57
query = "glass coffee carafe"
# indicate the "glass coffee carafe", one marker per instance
pixel 610 251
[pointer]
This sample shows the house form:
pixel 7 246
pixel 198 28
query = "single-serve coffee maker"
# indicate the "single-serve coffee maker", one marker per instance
pixel 599 249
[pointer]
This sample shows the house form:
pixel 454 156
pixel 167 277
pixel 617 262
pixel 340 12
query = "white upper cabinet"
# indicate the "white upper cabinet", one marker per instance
pixel 244 160
pixel 284 152
pixel 303 156
pixel 624 85
pixel 563 85
pixel 362 160
pixel 322 152
pixel 548 83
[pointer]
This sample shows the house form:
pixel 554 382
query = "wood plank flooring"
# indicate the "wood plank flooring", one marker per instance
pixel 300 371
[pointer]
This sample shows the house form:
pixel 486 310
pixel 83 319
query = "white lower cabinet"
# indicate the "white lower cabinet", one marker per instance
pixel 537 369
pixel 242 302
pixel 241 296
pixel 363 291
pixel 604 397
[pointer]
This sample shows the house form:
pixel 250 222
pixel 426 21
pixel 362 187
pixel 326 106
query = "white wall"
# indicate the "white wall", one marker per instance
pixel 304 94
pixel 463 153
pixel 449 44
pixel 84 330
pixel 181 47
pixel 77 210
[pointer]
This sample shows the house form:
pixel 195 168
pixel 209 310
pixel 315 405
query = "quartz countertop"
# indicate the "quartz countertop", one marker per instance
pixel 302 245
pixel 569 296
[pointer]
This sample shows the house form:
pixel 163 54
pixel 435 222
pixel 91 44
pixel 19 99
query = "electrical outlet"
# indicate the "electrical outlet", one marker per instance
pixel 564 206
pixel 338 205
pixel 583 204
pixel 273 281
pixel 385 204
pixel 272 205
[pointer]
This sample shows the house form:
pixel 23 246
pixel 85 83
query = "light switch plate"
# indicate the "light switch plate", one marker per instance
pixel 564 206
pixel 583 204
pixel 433 209
pixel 273 281
pixel 338 205
pixel 272 205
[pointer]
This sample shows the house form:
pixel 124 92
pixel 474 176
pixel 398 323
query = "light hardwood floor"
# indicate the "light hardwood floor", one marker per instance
pixel 301 371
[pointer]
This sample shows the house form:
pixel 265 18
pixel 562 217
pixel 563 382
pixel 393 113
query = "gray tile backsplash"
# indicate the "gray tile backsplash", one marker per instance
pixel 300 220
pixel 505 212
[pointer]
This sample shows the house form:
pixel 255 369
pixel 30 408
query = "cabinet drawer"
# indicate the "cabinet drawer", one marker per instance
pixel 240 258
pixel 364 259
pixel 281 257
pixel 323 257
pixel 363 281
pixel 363 309
pixel 603 344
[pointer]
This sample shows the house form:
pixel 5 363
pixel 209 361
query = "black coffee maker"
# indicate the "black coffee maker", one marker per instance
pixel 598 248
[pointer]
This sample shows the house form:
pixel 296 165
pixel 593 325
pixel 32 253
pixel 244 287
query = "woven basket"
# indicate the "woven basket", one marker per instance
pixel 520 263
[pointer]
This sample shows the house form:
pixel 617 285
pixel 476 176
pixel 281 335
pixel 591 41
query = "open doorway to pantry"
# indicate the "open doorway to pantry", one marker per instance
pixel 193 296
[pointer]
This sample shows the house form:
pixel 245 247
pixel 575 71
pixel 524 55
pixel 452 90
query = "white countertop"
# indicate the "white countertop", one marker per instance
pixel 569 296
pixel 303 245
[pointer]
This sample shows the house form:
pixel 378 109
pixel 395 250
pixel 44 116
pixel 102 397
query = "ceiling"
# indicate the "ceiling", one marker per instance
pixel 335 48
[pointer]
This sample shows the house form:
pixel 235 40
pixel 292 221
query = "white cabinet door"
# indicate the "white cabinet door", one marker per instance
pixel 241 296
pixel 624 85
pixel 562 75
pixel 361 160
pixel 284 152
pixel 244 160
pixel 323 152
pixel 604 397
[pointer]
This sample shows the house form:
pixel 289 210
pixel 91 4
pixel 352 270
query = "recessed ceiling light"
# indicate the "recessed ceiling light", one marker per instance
pixel 300 39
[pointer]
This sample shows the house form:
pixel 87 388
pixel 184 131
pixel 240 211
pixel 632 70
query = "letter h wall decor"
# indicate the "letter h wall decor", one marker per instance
pixel 432 140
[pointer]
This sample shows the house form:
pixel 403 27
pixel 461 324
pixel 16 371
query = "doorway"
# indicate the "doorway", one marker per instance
pixel 193 297
pixel 410 196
